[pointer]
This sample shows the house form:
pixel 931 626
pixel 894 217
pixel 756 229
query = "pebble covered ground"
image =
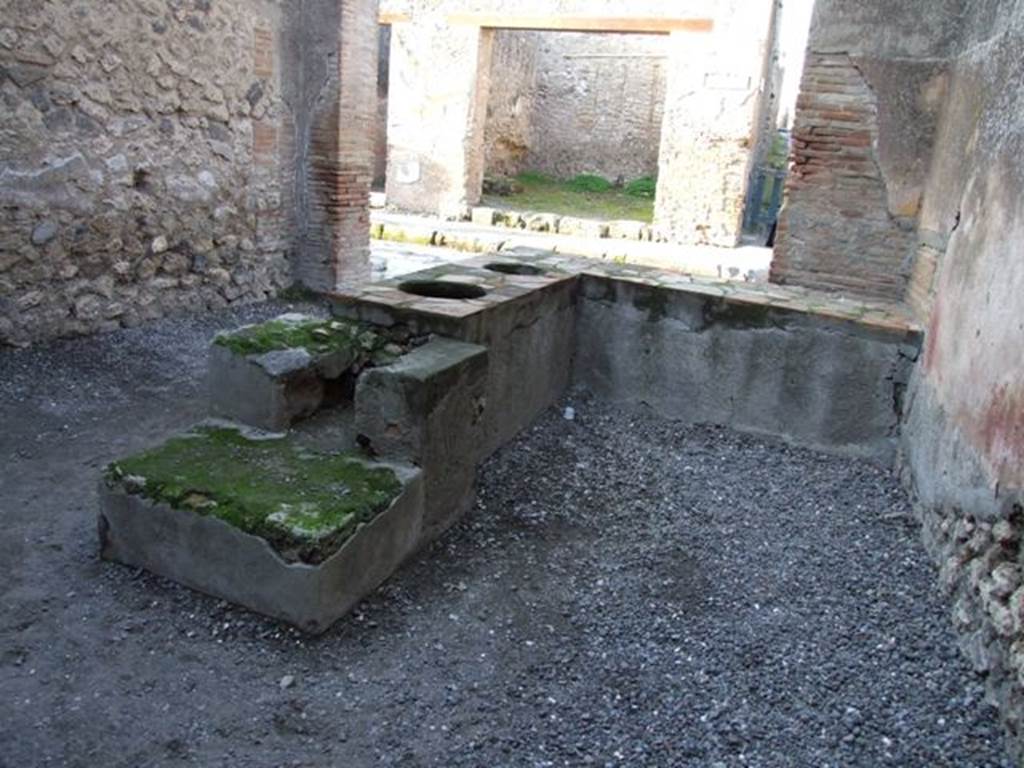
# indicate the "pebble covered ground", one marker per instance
pixel 627 592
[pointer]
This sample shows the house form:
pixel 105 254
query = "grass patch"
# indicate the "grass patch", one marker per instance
pixel 588 183
pixel 315 336
pixel 305 504
pixel 645 188
pixel 582 197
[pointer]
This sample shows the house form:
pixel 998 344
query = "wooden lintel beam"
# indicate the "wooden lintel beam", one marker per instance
pixel 656 26
pixel 388 17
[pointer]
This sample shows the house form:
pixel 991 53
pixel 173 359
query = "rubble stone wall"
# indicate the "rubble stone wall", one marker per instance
pixel 512 102
pixel 568 103
pixel 139 166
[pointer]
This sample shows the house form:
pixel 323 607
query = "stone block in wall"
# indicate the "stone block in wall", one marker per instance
pixel 483 216
pixel 511 219
pixel 626 229
pixel 542 222
pixel 572 225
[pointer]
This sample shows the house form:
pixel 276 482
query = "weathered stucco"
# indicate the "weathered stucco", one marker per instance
pixel 716 92
pixel 964 436
pixel 908 184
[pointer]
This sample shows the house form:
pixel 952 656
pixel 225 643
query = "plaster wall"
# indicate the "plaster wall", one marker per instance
pixel 511 105
pixel 437 103
pixel 701 359
pixel 964 435
pixel 714 103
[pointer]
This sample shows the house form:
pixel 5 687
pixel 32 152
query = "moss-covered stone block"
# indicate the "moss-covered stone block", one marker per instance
pixel 275 373
pixel 305 504
pixel 262 521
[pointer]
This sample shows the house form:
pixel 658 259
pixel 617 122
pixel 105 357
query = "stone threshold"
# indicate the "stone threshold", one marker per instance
pixel 745 263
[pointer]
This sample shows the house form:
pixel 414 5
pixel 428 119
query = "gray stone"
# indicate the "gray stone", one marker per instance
pixel 242 389
pixel 698 358
pixel 282 362
pixel 626 229
pixel 44 232
pixel 429 408
pixel 117 164
pixel 571 225
pixel 542 222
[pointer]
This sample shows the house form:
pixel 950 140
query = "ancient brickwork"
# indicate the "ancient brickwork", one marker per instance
pixel 329 81
pixel 566 103
pixel 837 232
pixel 873 90
pixel 139 171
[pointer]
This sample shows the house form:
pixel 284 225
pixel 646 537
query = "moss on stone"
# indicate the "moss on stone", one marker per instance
pixel 399 235
pixel 305 504
pixel 654 301
pixel 740 315
pixel 315 336
pixel 299 292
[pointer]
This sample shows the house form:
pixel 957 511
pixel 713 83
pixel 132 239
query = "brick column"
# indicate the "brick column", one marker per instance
pixel 436 113
pixel 837 231
pixel 329 71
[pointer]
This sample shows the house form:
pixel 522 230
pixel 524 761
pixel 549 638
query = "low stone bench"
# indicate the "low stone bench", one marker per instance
pixel 263 522
pixel 273 374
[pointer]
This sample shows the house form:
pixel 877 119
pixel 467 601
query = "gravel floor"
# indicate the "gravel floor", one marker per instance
pixel 627 592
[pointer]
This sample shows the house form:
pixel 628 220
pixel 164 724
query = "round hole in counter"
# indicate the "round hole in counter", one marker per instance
pixel 441 289
pixel 513 268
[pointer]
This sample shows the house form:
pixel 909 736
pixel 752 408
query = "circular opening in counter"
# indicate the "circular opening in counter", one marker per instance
pixel 513 268
pixel 441 289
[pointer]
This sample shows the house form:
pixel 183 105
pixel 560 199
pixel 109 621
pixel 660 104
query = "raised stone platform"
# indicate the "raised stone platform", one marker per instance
pixel 262 521
pixel 437 370
pixel 615 242
pixel 803 365
pixel 273 374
